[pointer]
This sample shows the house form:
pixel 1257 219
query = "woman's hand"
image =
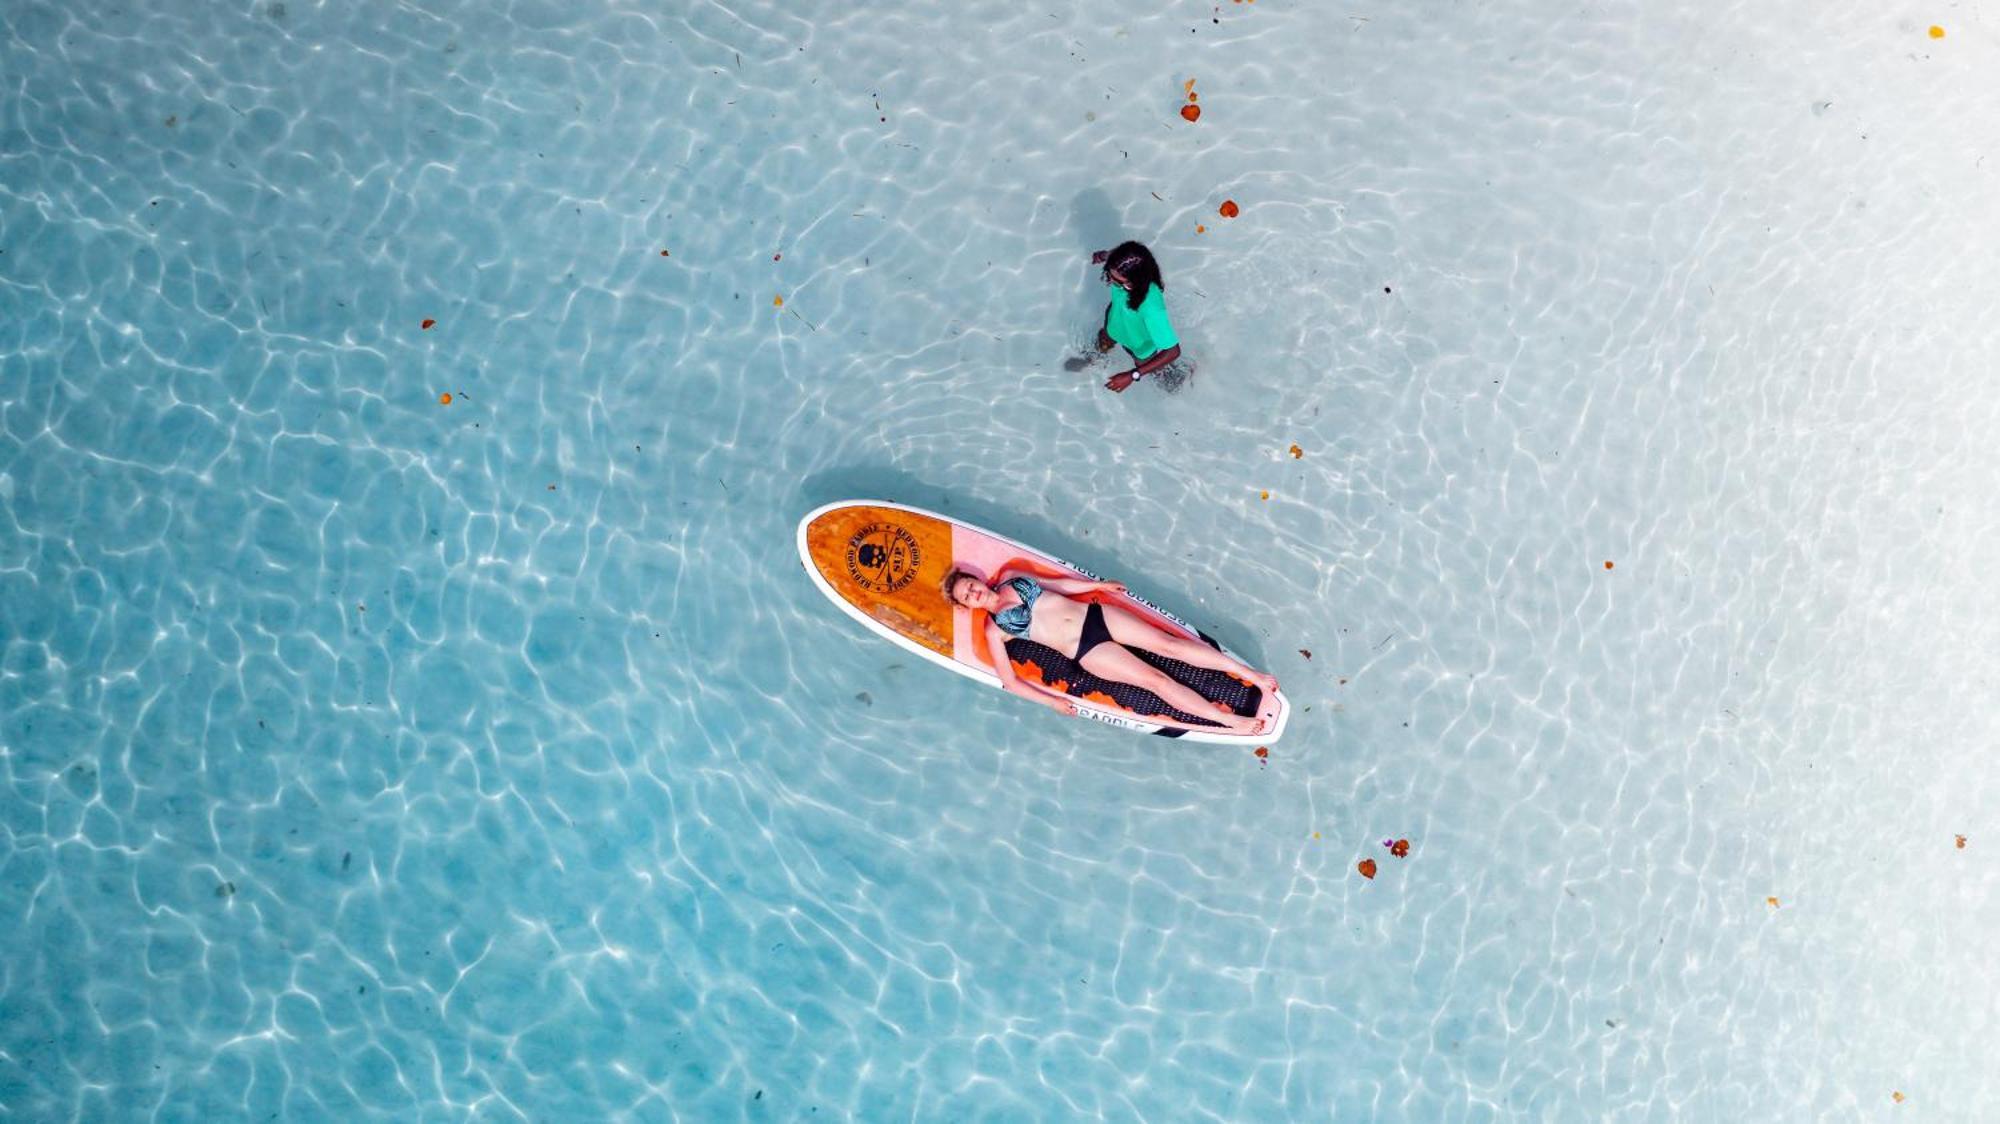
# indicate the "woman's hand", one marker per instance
pixel 1063 706
pixel 1100 257
pixel 1120 381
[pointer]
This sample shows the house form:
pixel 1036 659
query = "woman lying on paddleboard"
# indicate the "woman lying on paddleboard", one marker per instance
pixel 1097 637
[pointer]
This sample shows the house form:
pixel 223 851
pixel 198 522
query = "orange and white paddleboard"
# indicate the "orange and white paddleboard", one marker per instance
pixel 884 564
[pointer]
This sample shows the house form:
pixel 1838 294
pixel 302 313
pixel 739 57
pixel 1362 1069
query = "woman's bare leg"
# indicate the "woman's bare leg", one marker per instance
pixel 1111 661
pixel 1133 631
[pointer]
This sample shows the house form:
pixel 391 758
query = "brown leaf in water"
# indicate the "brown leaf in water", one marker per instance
pixel 1366 867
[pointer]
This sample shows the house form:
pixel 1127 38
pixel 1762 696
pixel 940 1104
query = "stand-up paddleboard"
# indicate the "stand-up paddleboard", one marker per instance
pixel 884 564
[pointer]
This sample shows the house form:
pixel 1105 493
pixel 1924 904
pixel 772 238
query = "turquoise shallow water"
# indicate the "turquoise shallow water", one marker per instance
pixel 370 757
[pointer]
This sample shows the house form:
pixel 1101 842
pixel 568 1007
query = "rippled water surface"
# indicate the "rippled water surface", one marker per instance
pixel 368 755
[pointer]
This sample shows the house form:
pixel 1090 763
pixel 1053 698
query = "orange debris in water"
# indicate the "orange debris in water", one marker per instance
pixel 1400 848
pixel 1192 96
pixel 1228 209
pixel 1264 495
pixel 1315 835
pixel 427 324
pixel 777 302
pixel 1296 451
pixel 1937 32
pixel 1187 88
pixel 445 398
pixel 1898 1096
pixel 665 254
pixel 1263 752
pixel 1191 112
pixel 1607 565
pixel 1200 229
pixel 1772 902
pixel 1961 841
pixel 1366 867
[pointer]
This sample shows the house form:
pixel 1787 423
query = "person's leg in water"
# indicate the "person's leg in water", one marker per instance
pixel 1129 629
pixel 1113 662
pixel 1104 343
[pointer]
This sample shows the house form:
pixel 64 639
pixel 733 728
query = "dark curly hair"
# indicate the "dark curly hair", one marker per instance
pixel 1136 262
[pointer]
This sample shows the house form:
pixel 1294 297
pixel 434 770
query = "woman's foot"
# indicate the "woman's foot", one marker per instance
pixel 1246 725
pixel 1257 678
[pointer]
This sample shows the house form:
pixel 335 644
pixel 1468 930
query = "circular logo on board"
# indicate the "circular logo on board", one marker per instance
pixel 882 558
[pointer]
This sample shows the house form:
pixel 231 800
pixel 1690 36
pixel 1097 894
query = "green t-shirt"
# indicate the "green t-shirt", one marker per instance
pixel 1143 331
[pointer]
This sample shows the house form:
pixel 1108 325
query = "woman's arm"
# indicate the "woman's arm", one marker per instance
pixel 1160 359
pixel 996 643
pixel 1081 585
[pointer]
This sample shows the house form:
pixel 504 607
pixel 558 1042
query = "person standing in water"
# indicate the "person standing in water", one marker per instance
pixel 1136 318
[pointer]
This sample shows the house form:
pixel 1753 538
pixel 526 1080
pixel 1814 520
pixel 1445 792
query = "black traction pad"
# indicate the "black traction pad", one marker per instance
pixel 1067 675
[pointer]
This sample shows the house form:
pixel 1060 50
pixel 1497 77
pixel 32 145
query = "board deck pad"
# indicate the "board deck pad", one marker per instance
pixel 1069 677
pixel 884 564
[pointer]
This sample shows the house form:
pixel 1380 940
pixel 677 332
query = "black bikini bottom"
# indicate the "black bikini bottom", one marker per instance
pixel 1094 632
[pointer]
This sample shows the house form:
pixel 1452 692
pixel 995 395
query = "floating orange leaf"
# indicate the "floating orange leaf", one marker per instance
pixel 1296 451
pixel 777 302
pixel 427 324
pixel 1772 902
pixel 1228 209
pixel 1263 495
pixel 1607 565
pixel 445 398
pixel 1366 867
pixel 1937 32
pixel 1263 752
pixel 1200 229
pixel 1961 841
pixel 1898 1096
pixel 1400 848
pixel 1191 112
pixel 1187 87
